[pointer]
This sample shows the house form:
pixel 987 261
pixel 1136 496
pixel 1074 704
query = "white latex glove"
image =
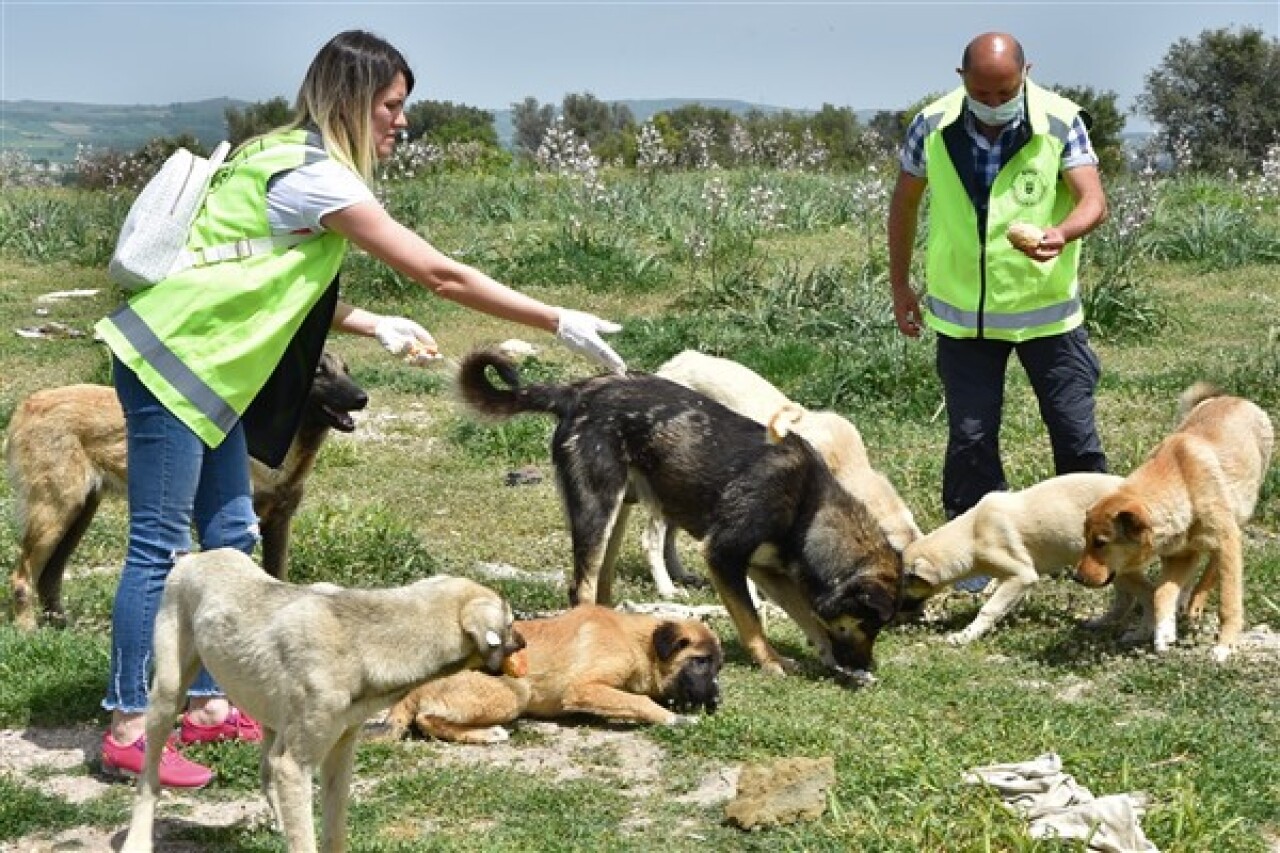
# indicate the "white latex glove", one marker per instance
pixel 580 332
pixel 400 335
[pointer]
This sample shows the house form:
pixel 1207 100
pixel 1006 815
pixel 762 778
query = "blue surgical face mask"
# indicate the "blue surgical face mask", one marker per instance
pixel 995 116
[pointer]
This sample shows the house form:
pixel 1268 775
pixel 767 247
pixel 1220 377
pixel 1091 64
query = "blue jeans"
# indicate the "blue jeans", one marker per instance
pixel 175 482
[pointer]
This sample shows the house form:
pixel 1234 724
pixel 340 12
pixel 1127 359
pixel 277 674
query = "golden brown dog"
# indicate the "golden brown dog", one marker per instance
pixel 1186 502
pixel 66 449
pixel 624 667
pixel 311 663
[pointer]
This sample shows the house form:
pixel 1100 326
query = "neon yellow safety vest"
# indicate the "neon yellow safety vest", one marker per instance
pixel 206 340
pixel 978 284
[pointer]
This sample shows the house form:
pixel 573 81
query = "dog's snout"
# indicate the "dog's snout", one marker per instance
pixel 854 653
pixel 1092 573
pixel 697 687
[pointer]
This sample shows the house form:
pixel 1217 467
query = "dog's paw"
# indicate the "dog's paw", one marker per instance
pixel 493 734
pixel 691 581
pixel 1135 636
pixel 778 667
pixel 680 720
pixel 960 638
pixel 854 678
pixel 1220 653
pixel 386 732
pixel 1164 636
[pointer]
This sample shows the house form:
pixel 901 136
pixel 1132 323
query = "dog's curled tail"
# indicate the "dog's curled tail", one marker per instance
pixel 1196 394
pixel 485 398
pixel 783 421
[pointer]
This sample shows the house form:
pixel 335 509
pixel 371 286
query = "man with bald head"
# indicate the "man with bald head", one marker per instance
pixel 1000 150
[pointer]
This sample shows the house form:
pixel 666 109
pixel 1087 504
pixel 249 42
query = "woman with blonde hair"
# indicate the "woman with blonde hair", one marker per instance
pixel 212 363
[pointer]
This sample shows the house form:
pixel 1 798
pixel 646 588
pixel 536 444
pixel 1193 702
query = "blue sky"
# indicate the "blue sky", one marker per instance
pixel 796 54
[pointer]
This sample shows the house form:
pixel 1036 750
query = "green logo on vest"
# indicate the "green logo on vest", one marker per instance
pixel 1028 188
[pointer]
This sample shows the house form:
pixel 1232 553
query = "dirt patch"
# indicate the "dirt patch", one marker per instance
pixel 619 757
pixel 62 763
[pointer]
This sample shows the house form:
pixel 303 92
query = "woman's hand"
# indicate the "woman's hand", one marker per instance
pixel 399 335
pixel 580 332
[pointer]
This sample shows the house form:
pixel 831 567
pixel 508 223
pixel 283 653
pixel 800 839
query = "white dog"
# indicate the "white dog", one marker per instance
pixel 835 438
pixel 1014 537
pixel 311 663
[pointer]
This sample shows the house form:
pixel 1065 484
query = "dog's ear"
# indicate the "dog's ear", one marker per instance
pixel 854 597
pixel 837 601
pixel 668 641
pixel 485 619
pixel 1132 525
pixel 880 601
pixel 917 588
pixel 919 570
pixel 782 422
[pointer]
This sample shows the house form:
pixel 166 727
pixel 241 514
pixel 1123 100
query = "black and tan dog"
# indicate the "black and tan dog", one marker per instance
pixel 769 511
pixel 622 667
pixel 66 449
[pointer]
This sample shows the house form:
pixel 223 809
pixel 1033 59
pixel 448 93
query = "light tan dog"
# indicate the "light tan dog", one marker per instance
pixel 1014 537
pixel 587 660
pixel 835 438
pixel 66 451
pixel 311 663
pixel 1187 501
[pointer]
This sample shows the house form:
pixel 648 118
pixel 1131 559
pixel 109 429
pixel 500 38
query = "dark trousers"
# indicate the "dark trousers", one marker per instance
pixel 1063 371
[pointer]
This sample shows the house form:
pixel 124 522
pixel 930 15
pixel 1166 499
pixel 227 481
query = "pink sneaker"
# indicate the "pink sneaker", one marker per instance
pixel 175 771
pixel 237 726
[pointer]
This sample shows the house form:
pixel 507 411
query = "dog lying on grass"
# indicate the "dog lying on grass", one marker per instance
pixel 835 438
pixel 1185 503
pixel 66 450
pixel 1015 537
pixel 311 664
pixel 621 667
pixel 769 512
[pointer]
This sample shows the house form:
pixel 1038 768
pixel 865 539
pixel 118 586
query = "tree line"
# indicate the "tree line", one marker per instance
pixel 1216 99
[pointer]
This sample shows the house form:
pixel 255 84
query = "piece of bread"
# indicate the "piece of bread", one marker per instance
pixel 516 664
pixel 420 353
pixel 1024 235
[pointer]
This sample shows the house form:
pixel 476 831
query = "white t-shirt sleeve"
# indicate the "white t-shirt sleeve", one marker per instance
pixel 298 199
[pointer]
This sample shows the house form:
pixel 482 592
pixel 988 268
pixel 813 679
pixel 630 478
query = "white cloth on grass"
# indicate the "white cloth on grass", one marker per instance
pixel 1056 806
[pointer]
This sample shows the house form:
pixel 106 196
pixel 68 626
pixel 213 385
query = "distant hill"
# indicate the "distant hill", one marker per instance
pixel 50 130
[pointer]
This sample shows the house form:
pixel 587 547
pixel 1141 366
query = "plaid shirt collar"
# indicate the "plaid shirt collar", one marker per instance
pixel 987 154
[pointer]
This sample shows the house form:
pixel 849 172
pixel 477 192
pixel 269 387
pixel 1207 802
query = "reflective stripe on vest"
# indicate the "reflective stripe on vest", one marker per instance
pixel 1011 321
pixel 172 370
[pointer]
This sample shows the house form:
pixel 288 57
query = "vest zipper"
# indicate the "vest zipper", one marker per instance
pixel 982 280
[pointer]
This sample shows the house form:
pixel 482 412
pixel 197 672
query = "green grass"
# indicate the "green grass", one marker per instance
pixel 419 488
